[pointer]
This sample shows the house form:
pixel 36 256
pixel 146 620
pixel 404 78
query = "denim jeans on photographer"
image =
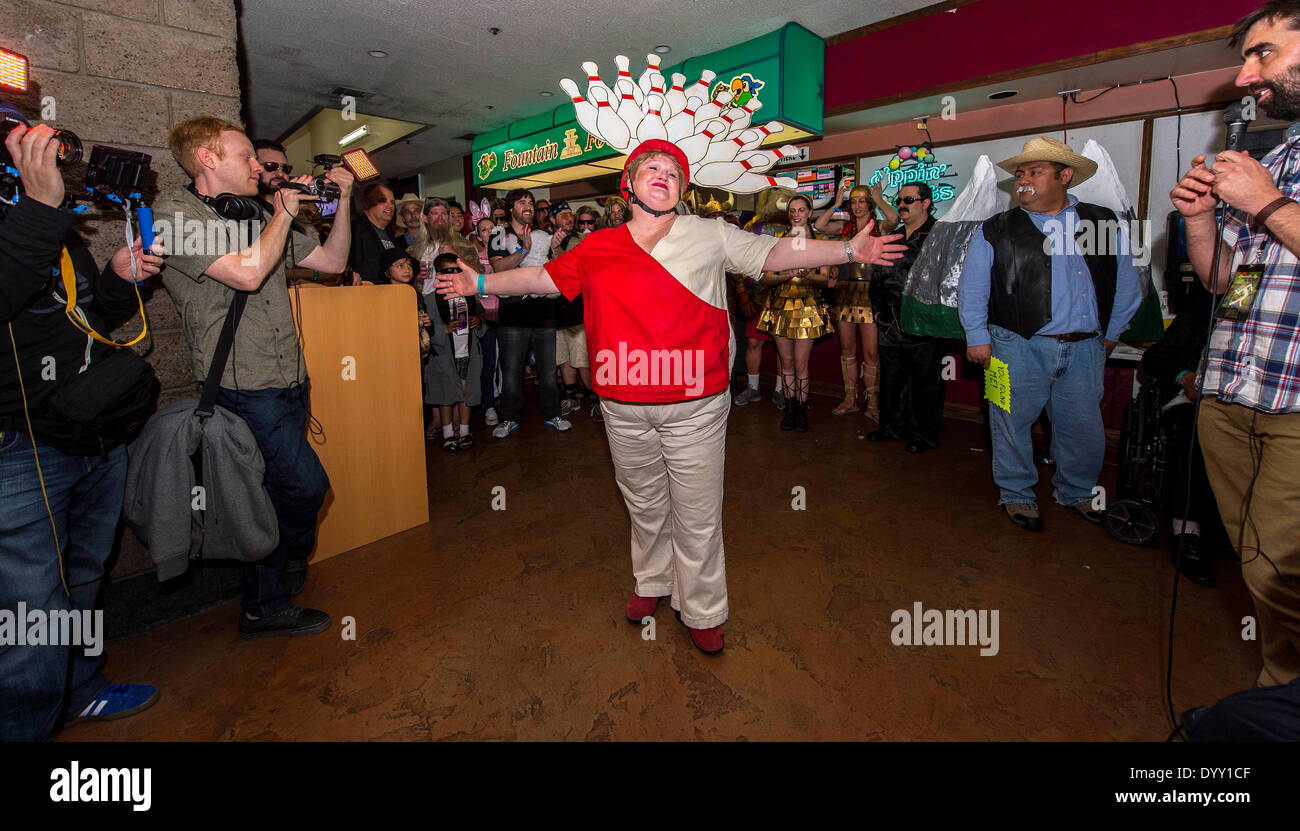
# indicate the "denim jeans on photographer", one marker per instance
pixel 42 685
pixel 295 480
pixel 514 343
pixel 1067 380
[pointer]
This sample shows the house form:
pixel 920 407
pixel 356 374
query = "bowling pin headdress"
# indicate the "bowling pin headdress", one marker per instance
pixel 710 132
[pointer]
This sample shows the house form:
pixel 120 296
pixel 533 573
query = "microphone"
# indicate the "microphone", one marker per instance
pixel 1235 119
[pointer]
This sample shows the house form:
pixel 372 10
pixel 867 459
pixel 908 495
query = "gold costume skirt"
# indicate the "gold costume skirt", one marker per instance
pixel 795 310
pixel 852 303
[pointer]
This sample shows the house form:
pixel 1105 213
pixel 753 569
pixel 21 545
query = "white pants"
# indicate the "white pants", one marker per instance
pixel 668 461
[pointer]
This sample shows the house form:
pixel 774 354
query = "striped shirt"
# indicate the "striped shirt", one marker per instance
pixel 1256 362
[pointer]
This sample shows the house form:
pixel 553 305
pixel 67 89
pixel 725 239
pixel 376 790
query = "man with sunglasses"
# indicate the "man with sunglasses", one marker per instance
pixel 275 171
pixel 911 386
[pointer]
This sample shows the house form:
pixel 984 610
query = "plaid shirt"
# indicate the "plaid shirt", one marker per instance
pixel 1256 362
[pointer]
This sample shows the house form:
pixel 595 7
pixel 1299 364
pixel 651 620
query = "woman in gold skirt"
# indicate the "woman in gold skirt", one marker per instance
pixel 852 310
pixel 796 315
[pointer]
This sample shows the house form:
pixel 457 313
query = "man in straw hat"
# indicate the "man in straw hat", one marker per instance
pixel 409 219
pixel 1051 308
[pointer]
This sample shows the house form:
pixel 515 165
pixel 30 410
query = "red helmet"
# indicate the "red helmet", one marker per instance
pixel 655 146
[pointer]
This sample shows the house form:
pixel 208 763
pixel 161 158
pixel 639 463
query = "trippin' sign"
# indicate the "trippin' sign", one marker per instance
pixel 913 164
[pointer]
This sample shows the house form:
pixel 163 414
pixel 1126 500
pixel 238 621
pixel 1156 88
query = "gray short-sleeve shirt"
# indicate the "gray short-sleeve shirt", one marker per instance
pixel 265 354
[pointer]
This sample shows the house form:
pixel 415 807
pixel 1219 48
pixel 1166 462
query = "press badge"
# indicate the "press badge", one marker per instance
pixel 1240 296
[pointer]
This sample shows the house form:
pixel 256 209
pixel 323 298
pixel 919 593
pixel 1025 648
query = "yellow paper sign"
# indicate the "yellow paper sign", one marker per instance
pixel 997 384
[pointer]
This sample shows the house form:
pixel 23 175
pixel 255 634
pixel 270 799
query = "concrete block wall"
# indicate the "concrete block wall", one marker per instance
pixel 123 73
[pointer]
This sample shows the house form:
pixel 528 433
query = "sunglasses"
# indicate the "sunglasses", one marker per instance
pixel 449 271
pixel 271 167
pixel 907 200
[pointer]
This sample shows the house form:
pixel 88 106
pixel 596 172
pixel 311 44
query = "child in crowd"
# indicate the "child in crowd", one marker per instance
pixel 457 354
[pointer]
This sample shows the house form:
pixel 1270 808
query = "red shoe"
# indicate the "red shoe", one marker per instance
pixel 639 608
pixel 708 641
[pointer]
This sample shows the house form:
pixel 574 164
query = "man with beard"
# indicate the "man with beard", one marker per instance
pixel 1052 311
pixel 275 172
pixel 526 322
pixel 911 386
pixel 1250 378
pixel 440 236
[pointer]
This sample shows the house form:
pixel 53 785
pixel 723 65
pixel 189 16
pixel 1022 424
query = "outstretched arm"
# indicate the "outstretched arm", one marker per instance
pixel 529 280
pixel 798 252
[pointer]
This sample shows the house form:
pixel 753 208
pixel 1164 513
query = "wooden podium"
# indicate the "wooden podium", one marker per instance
pixel 362 351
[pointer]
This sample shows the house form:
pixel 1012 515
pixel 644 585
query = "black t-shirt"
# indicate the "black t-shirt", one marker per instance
pixel 531 309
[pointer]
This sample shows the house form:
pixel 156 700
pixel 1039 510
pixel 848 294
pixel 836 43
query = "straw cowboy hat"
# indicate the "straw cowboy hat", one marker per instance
pixel 1044 149
pixel 397 209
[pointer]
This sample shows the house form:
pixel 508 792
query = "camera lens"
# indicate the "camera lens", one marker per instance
pixel 69 147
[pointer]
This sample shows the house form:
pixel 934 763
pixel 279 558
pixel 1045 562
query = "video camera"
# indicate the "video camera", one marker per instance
pixel 356 161
pixel 112 174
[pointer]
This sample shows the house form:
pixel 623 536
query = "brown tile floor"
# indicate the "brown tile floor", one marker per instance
pixel 508 625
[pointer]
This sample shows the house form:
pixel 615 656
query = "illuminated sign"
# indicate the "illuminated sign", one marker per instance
pixel 911 165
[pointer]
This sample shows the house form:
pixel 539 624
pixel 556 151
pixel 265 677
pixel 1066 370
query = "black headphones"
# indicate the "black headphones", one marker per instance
pixel 230 205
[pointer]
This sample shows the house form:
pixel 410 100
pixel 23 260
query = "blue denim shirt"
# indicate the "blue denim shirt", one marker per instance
pixel 1074 303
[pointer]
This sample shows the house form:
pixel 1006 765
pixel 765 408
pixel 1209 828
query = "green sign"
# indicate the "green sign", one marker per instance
pixel 784 69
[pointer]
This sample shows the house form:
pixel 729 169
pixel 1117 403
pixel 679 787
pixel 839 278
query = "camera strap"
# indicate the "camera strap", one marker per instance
pixel 78 318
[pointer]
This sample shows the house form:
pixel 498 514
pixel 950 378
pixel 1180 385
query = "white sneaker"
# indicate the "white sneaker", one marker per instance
pixel 559 423
pixel 490 417
pixel 747 396
pixel 504 429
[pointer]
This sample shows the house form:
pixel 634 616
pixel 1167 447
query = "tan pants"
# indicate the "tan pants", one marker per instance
pixel 668 461
pixel 1270 511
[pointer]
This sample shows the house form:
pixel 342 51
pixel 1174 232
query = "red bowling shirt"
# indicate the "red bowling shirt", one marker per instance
pixel 657 326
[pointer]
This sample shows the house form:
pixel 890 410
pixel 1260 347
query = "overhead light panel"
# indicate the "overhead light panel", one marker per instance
pixel 354 135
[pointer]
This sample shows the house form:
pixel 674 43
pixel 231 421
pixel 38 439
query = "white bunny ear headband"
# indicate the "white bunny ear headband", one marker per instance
pixel 716 137
pixel 478 212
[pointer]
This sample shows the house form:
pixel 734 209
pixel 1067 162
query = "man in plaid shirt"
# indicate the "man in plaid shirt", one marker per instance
pixel 1250 418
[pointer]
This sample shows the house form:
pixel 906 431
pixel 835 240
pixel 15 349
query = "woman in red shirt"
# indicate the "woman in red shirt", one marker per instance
pixel 661 354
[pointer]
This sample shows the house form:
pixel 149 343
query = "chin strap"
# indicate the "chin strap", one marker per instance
pixel 635 200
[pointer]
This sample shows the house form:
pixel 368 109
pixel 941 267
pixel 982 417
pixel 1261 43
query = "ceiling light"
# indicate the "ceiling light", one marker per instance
pixel 1006 93
pixel 546 93
pixel 354 135
pixel 663 50
pixel 377 53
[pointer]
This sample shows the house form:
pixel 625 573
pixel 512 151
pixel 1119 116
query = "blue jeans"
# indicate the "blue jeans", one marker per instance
pixel 295 480
pixel 40 686
pixel 1066 379
pixel 487 378
pixel 514 342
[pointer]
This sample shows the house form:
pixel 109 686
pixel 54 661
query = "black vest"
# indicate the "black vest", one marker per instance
pixel 1020 297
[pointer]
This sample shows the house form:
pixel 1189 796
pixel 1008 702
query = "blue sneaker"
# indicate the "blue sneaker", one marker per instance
pixel 117 701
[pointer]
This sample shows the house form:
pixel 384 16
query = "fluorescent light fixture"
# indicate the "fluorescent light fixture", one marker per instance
pixel 354 135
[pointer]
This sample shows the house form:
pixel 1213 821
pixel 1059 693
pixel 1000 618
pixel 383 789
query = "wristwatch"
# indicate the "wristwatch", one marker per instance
pixel 848 251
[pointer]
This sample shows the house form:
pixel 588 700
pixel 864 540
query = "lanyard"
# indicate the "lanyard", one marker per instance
pixel 78 318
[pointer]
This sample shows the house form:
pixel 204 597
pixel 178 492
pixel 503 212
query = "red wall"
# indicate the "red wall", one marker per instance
pixel 994 36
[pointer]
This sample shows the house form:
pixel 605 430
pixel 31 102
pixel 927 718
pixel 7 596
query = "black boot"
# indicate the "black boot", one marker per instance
pixel 801 417
pixel 788 414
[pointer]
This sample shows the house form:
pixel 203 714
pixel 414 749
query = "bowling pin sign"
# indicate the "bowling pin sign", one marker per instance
pixel 628 108
pixel 675 98
pixel 622 62
pixel 652 125
pixel 593 81
pixel 609 127
pixel 682 124
pixel 646 81
pixel 583 109
pixel 697 144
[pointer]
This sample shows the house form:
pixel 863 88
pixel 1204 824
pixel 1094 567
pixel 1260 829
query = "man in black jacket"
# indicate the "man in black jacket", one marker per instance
pixel 911 384
pixel 58 510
